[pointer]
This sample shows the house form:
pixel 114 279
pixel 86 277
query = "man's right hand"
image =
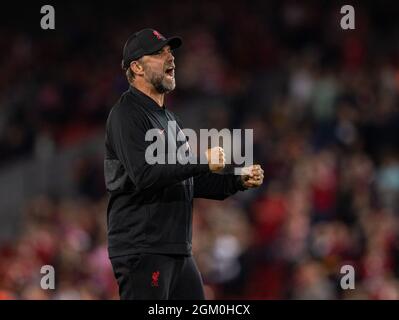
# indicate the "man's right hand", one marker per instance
pixel 216 158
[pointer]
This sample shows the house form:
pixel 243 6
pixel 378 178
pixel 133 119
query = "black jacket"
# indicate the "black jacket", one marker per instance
pixel 150 206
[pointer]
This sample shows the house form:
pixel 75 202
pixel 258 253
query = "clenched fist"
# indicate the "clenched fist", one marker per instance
pixel 216 158
pixel 252 176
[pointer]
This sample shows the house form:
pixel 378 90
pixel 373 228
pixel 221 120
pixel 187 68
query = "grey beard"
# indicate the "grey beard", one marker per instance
pixel 160 84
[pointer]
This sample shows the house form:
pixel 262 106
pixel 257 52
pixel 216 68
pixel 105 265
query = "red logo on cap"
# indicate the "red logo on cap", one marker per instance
pixel 158 35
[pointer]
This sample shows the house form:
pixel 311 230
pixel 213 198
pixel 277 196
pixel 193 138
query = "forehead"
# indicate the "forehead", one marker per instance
pixel 165 48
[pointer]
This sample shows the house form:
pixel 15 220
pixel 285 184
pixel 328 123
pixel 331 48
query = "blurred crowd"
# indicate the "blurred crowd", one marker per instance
pixel 323 104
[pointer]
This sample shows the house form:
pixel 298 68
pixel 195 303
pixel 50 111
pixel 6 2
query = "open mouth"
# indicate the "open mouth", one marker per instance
pixel 170 72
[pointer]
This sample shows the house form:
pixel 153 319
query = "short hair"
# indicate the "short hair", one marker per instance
pixel 129 75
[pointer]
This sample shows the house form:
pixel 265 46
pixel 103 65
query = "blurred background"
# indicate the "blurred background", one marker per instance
pixel 323 104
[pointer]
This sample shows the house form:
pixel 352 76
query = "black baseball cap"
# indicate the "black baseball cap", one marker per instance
pixel 146 41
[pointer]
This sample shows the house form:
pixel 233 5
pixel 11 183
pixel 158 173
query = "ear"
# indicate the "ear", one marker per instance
pixel 137 68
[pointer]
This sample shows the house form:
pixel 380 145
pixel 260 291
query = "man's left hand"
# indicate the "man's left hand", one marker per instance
pixel 252 176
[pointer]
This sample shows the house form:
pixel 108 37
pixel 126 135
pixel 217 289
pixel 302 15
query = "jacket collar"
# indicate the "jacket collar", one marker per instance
pixel 149 102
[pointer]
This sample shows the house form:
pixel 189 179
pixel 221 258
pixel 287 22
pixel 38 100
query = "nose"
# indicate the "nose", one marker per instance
pixel 171 57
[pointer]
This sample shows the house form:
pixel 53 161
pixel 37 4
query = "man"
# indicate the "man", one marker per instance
pixel 150 206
